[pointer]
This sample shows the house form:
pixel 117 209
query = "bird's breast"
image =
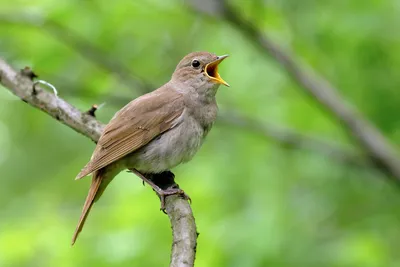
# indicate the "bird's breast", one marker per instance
pixel 171 148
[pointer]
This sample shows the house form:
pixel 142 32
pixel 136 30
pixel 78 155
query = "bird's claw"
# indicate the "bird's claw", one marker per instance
pixel 169 192
pixel 162 193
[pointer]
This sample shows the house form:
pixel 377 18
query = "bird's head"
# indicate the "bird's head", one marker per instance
pixel 199 70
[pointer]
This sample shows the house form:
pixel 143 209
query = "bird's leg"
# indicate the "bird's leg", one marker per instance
pixel 170 187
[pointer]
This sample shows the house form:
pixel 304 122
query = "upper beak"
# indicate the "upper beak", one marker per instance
pixel 211 70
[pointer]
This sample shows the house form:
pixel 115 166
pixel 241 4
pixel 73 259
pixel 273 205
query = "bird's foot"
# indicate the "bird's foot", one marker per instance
pixel 163 192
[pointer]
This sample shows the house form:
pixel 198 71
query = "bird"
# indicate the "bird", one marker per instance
pixel 158 130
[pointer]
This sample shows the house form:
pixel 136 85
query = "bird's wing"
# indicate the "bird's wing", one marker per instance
pixel 134 126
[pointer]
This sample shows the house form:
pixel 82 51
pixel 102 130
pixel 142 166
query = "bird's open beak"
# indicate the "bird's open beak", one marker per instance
pixel 211 70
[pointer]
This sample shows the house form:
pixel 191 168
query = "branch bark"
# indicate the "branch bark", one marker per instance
pixel 184 232
pixel 178 209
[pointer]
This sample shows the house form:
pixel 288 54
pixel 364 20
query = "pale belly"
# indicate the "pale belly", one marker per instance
pixel 171 148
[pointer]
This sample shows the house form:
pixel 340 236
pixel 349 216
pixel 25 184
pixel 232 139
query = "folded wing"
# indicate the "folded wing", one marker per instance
pixel 134 126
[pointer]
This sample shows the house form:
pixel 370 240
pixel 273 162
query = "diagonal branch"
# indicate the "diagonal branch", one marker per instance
pixel 178 209
pixel 377 148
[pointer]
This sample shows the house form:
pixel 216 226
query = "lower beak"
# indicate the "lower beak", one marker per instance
pixel 211 70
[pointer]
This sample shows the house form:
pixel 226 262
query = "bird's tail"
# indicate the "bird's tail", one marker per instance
pixel 99 183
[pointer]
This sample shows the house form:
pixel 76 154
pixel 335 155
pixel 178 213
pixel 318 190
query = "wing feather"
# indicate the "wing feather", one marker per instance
pixel 134 126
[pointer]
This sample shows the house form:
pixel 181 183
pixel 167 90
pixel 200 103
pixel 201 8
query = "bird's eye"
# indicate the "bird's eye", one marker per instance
pixel 195 63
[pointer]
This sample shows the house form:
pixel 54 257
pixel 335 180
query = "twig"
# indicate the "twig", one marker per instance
pixel 377 148
pixel 28 72
pixel 178 209
pixel 93 109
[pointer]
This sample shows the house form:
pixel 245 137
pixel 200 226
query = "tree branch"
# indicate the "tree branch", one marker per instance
pixel 178 209
pixel 377 148
pixel 184 232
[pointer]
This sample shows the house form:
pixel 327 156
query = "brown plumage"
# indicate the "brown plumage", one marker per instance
pixel 90 199
pixel 159 130
pixel 134 126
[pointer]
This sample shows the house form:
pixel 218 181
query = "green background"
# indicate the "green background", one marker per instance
pixel 256 202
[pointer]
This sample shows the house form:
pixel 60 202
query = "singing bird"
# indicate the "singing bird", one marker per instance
pixel 159 130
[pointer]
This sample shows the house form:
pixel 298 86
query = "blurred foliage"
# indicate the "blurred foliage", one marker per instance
pixel 256 203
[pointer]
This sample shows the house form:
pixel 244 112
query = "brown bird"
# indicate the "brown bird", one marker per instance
pixel 159 130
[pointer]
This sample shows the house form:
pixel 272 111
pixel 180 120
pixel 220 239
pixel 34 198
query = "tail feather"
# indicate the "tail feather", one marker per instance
pixel 84 172
pixel 93 195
